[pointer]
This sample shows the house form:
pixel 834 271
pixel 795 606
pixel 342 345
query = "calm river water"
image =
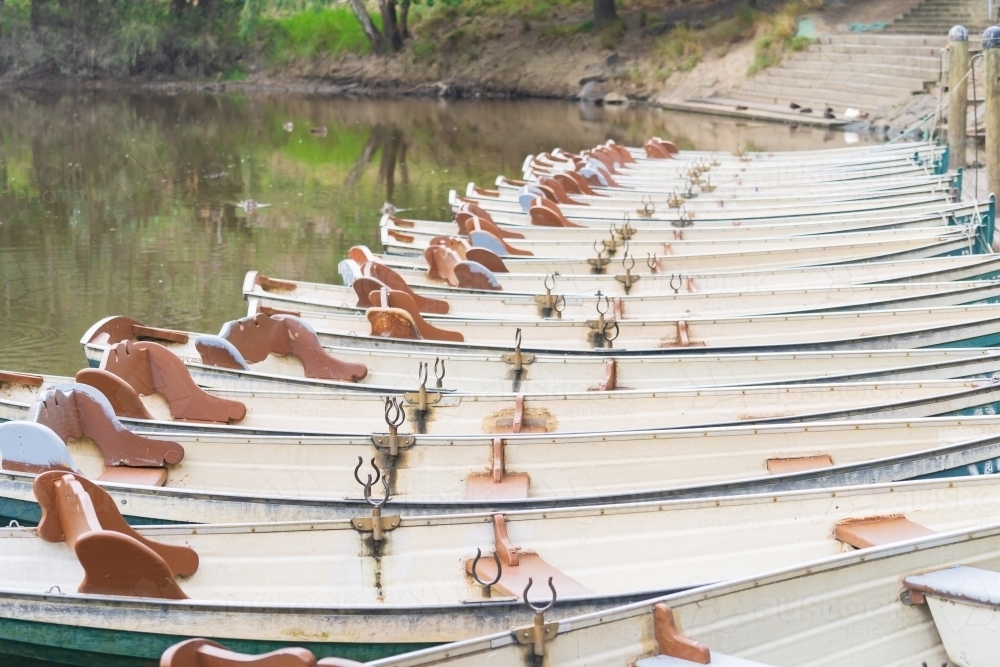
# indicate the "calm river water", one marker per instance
pixel 127 204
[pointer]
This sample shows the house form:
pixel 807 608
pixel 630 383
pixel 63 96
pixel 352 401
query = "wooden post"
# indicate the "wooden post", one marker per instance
pixel 958 88
pixel 991 54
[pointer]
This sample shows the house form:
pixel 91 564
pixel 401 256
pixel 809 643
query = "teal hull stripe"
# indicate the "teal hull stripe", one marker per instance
pixel 93 647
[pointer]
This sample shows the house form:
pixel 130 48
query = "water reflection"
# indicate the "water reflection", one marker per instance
pixel 139 204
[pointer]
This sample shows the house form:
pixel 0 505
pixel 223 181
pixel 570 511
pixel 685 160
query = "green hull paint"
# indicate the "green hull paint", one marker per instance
pixel 991 340
pixel 91 647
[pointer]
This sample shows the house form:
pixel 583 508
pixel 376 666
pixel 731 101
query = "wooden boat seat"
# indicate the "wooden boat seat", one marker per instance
pixel 116 560
pixel 31 447
pixel 879 530
pixel 392 323
pixel 78 410
pixel 965 605
pixel 465 252
pixel 468 222
pixel 581 183
pixel 445 264
pixel 361 254
pixel 387 298
pixel 558 191
pixel 788 466
pixel 217 351
pixel 676 650
pixel 134 476
pixel 474 209
pixel 205 653
pixel 517 567
pixel 499 247
pixel 393 280
pixel 123 398
pixel 150 368
pixel 497 484
pixel 258 336
pixel 960 583
pixel 116 329
pixel 8 377
pixel 548 214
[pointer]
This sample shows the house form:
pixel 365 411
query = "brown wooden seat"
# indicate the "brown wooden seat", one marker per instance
pixel 123 398
pixel 483 239
pixel 115 559
pixel 547 214
pixel 150 368
pixel 476 210
pixel 205 653
pixel 445 264
pixel 393 280
pixel 879 530
pixel 78 410
pixel 31 447
pixel 387 298
pixel 467 223
pixel 792 465
pixel 261 335
pixel 117 328
pixel 392 323
pixel 219 352
pixel 517 567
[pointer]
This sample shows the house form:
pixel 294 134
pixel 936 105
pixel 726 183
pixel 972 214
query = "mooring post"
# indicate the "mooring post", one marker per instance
pixel 991 54
pixel 958 88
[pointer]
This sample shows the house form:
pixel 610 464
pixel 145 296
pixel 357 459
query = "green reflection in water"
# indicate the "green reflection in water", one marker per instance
pixel 118 203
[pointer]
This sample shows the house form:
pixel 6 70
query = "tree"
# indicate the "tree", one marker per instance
pixel 604 12
pixel 404 13
pixel 374 36
pixel 390 24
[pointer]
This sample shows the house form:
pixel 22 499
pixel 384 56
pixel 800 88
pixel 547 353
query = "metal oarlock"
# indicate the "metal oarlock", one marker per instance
pixel 628 279
pixel 648 209
pixel 653 263
pixel 439 374
pixel 607 336
pixel 487 586
pixel 518 359
pixel 676 286
pixel 540 632
pixel 377 524
pixel 613 243
pixel 598 263
pixel 550 302
pixel 395 416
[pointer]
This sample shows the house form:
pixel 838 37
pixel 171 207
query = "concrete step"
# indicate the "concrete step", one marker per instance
pixel 847 60
pixel 880 39
pixel 905 71
pixel 860 82
pixel 870 51
pixel 839 100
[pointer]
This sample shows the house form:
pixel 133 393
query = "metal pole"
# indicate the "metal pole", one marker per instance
pixel 991 54
pixel 958 88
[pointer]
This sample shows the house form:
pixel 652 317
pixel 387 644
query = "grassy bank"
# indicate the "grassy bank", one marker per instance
pixel 492 43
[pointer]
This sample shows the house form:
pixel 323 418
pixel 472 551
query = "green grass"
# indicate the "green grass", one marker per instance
pixel 780 35
pixel 318 31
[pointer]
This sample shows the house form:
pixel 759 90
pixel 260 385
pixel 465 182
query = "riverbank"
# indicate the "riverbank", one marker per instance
pixel 650 55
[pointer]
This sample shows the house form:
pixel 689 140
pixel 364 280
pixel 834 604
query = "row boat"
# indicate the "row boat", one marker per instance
pixel 390 371
pixel 396 322
pixel 278 294
pixel 363 598
pixel 185 478
pixel 937 269
pixel 153 389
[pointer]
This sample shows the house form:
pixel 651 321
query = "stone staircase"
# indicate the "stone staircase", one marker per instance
pixel 936 17
pixel 856 71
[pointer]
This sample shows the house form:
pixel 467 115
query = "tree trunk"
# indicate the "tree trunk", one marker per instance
pixel 604 12
pixel 37 13
pixel 1 28
pixel 404 13
pixel 374 36
pixel 390 26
